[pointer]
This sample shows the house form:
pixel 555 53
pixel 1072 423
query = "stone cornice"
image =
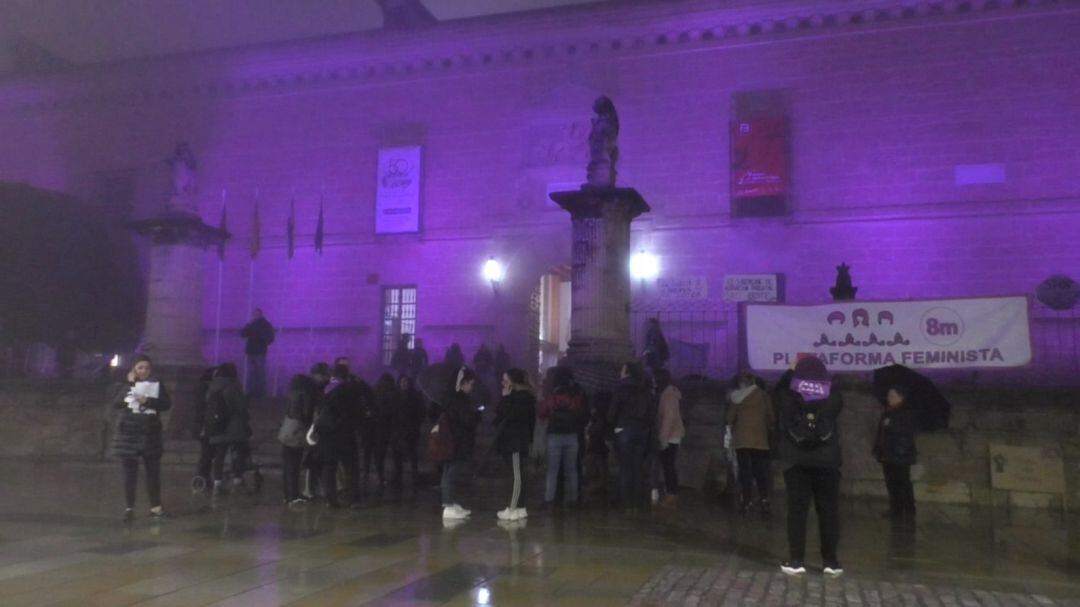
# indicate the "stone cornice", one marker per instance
pixel 589 32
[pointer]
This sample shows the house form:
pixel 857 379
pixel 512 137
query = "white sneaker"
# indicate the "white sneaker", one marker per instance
pixel 464 513
pixel 453 513
pixel 507 514
pixel 520 514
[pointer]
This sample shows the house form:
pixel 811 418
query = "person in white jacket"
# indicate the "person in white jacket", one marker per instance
pixel 670 432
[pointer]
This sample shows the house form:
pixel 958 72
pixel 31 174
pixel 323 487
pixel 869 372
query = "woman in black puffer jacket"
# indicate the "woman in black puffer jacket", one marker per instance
pixel 515 420
pixel 138 433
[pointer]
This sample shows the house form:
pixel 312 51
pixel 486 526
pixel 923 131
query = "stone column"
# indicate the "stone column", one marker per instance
pixel 173 332
pixel 600 287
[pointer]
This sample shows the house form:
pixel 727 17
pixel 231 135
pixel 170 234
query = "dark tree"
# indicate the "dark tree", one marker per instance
pixel 68 274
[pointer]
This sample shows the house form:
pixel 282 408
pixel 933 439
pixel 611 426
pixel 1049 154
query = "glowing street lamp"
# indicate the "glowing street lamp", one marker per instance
pixel 494 272
pixel 644 266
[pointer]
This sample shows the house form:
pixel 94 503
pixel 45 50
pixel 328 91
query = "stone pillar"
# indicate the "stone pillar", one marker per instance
pixel 600 287
pixel 173 332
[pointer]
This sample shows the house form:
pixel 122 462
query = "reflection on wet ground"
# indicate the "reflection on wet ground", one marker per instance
pixel 62 543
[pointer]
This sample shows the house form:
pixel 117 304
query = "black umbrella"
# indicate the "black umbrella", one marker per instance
pixel 932 409
pixel 435 380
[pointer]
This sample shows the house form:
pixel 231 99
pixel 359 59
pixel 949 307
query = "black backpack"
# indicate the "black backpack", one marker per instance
pixel 807 428
pixel 217 414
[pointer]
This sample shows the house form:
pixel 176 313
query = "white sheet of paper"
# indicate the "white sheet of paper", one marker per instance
pixel 149 389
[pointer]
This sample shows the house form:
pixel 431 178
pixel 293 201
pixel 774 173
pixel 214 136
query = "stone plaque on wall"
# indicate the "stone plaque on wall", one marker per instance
pixel 690 288
pixel 764 288
pixel 1032 469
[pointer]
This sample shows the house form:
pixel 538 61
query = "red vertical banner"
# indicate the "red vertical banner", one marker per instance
pixel 759 162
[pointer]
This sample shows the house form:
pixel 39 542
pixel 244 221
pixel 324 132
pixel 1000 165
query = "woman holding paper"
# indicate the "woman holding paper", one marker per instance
pixel 140 400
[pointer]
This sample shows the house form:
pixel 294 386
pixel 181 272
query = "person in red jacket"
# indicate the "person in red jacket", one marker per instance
pixel 563 409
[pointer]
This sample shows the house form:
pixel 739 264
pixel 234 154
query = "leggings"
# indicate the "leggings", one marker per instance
pixel 153 479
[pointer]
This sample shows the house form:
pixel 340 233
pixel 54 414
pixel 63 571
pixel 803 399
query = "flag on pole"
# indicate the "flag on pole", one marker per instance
pixel 319 229
pixel 256 229
pixel 223 226
pixel 290 228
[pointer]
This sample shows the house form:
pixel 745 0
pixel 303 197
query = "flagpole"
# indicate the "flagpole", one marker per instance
pixel 251 278
pixel 217 319
pixel 318 249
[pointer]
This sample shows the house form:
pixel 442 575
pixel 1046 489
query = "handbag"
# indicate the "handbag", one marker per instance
pixel 292 432
pixel 441 441
pixel 312 435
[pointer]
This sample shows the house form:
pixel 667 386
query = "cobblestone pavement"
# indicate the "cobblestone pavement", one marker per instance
pixel 731 585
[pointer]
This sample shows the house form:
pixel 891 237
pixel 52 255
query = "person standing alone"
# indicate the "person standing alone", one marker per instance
pixel 894 448
pixel 258 334
pixel 809 440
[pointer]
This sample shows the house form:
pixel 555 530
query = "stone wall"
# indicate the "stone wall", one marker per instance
pixel 954 466
pixel 60 420
pixel 70 421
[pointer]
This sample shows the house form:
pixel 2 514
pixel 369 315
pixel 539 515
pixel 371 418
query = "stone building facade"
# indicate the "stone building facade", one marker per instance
pixel 933 148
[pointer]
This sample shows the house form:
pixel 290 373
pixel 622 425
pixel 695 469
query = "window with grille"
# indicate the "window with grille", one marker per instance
pixel 399 317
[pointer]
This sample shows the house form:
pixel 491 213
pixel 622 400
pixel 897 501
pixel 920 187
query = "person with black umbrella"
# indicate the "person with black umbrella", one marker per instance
pixel 894 448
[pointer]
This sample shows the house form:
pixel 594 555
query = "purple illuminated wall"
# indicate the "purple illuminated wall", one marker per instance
pixel 887 120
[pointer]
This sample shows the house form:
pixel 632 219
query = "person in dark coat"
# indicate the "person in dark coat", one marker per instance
pixel 311 466
pixel 405 422
pixel 418 360
pixel 656 353
pixel 357 431
pixel 303 394
pixel 401 361
pixel 454 358
pixel 633 421
pixel 258 335
pixel 229 425
pixel 597 434
pixel 463 418
pixel 198 428
pixel 808 412
pixel 386 400
pixel 894 448
pixel 334 430
pixel 515 421
pixel 138 433
pixel 563 408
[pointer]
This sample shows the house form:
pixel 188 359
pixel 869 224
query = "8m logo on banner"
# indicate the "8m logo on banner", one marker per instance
pixel 942 326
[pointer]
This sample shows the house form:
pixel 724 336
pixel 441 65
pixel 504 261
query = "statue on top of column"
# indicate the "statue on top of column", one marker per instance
pixel 183 176
pixel 603 144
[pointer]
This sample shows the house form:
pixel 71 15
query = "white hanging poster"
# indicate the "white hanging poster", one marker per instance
pixel 397 193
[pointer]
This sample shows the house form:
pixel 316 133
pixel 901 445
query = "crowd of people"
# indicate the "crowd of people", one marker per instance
pixel 337 431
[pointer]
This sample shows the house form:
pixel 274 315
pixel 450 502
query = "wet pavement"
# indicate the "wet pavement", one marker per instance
pixel 62 543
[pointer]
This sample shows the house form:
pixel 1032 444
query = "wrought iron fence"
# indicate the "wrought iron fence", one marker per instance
pixel 702 340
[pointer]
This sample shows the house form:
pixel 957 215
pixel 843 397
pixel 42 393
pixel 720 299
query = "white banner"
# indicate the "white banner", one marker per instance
pixel 397 194
pixel 860 336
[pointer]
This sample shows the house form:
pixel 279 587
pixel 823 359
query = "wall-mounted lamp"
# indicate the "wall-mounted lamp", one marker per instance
pixel 644 266
pixel 494 272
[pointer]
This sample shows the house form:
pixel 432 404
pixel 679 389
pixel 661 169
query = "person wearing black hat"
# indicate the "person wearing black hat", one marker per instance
pixel 809 448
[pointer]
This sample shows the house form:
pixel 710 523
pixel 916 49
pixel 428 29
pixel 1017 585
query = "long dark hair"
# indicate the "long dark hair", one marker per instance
pixel 662 379
pixel 559 379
